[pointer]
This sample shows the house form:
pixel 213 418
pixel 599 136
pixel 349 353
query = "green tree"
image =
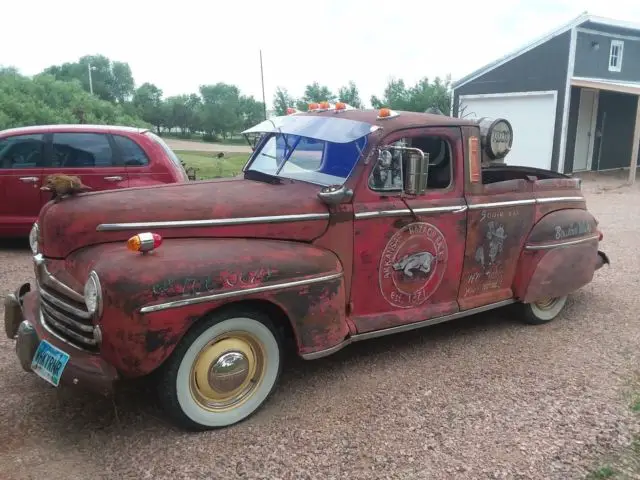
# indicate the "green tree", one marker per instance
pixel 111 81
pixel 396 96
pixel 147 99
pixel 194 107
pixel 220 109
pixel 44 100
pixel 349 94
pixel 251 111
pixel 425 95
pixel 180 113
pixel 314 93
pixel 121 81
pixel 418 98
pixel 282 100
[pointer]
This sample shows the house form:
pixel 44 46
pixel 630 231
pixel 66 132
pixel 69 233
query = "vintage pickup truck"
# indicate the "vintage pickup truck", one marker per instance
pixel 345 225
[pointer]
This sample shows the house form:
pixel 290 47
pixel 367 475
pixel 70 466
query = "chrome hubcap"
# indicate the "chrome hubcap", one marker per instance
pixel 228 372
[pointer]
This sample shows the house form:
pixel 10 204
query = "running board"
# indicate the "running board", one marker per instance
pixel 404 328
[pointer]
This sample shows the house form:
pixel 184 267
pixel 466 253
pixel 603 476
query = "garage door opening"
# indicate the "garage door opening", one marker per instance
pixel 532 116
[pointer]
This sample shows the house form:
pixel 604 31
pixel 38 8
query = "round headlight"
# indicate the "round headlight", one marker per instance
pixel 93 294
pixel 33 238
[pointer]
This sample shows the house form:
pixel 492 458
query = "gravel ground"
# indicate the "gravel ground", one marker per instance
pixel 484 397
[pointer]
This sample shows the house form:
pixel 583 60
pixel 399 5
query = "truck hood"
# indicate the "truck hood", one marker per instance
pixel 235 207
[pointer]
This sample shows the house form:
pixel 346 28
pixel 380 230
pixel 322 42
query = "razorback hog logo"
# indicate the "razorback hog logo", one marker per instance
pixel 412 265
pixel 417 261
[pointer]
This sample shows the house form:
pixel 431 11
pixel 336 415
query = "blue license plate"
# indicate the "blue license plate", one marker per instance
pixel 49 362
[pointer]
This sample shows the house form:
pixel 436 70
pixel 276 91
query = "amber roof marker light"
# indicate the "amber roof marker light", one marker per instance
pixel 385 113
pixel 144 242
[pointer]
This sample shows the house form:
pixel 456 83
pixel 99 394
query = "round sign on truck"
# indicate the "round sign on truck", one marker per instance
pixel 497 137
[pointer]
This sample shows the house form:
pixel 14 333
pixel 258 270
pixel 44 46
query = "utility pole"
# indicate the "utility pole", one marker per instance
pixel 264 102
pixel 90 68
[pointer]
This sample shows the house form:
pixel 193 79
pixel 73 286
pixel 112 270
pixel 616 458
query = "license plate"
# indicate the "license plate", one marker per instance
pixel 49 362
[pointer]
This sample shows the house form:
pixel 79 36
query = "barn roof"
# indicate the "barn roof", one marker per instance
pixel 584 18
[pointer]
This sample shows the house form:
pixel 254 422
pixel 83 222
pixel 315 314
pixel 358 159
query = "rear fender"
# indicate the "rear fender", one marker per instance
pixel 559 257
pixel 151 300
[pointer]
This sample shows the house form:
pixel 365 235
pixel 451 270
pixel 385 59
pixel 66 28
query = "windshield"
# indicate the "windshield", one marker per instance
pixel 318 149
pixel 307 159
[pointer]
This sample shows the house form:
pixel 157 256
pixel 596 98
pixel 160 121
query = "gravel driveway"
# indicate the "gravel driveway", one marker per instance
pixel 484 397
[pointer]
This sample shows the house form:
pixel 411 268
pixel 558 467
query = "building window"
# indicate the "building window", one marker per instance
pixel 615 55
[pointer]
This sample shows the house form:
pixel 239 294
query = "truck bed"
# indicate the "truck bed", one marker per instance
pixel 501 173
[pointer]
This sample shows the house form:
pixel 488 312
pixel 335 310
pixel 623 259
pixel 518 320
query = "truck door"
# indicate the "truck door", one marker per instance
pixel 408 252
pixel 500 216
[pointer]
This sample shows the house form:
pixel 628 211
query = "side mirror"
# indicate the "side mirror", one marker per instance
pixel 401 168
pixel 416 171
pixel 335 194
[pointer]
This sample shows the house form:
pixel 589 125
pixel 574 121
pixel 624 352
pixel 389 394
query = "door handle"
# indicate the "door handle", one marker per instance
pixel 29 179
pixel 115 178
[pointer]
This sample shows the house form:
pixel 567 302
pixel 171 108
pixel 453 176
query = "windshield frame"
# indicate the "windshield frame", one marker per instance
pixel 290 150
pixel 321 128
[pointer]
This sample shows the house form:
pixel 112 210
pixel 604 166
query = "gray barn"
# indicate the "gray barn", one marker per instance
pixel 571 96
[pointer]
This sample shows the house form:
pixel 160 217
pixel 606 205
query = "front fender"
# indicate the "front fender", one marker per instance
pixel 151 300
pixel 560 256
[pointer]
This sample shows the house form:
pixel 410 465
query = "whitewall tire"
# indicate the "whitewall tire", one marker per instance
pixel 543 311
pixel 222 371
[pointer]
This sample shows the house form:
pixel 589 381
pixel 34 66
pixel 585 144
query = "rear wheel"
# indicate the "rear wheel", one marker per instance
pixel 544 310
pixel 222 371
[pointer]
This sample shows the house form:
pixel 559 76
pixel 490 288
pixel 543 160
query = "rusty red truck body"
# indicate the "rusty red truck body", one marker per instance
pixel 345 225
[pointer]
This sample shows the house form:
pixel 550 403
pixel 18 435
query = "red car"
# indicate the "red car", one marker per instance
pixel 103 157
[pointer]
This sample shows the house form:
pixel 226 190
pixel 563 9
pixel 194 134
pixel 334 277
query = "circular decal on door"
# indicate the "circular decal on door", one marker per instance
pixel 412 265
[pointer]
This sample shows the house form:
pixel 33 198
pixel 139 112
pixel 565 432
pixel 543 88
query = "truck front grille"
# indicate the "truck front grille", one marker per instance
pixel 67 319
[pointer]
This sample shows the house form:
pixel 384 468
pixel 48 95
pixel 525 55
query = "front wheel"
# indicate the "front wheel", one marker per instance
pixel 544 310
pixel 222 371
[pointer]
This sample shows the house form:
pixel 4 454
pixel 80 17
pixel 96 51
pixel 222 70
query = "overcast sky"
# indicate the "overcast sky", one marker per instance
pixel 183 44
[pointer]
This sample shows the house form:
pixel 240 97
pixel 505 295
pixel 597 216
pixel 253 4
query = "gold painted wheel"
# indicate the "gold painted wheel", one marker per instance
pixel 227 371
pixel 543 310
pixel 546 303
pixel 222 371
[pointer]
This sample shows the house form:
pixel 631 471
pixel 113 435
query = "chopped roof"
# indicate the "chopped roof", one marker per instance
pixel 403 120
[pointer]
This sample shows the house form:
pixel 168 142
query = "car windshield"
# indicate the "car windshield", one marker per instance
pixel 307 159
pixel 319 150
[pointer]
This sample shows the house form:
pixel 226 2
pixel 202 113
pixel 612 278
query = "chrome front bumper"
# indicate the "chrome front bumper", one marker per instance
pixel 23 322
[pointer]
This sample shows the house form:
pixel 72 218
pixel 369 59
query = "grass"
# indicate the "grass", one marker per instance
pixel 602 472
pixel 208 166
pixel 625 464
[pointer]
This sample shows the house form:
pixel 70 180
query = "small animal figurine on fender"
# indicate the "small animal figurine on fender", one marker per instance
pixel 63 186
